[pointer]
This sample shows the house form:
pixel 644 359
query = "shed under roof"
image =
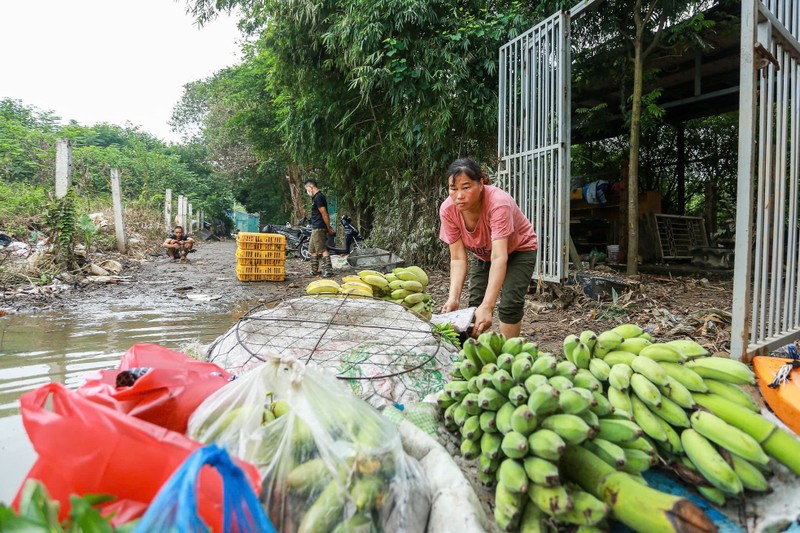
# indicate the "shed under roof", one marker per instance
pixel 695 82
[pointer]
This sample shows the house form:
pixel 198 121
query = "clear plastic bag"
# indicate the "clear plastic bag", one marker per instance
pixel 329 461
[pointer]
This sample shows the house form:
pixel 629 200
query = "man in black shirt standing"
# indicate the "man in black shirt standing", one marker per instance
pixel 320 228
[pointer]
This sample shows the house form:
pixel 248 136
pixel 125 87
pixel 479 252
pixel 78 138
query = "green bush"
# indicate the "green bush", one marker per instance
pixel 20 209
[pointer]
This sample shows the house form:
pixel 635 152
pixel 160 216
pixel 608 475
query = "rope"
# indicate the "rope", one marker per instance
pixel 784 372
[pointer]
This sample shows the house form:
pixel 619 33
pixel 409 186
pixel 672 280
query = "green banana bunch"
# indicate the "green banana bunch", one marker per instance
pixel 723 369
pixel 731 392
pixel 586 509
pixel 619 394
pixel 628 331
pixel 728 437
pixel 326 511
pixel 710 463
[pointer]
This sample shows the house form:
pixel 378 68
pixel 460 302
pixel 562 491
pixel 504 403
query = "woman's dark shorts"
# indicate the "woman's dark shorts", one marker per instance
pixel 515 285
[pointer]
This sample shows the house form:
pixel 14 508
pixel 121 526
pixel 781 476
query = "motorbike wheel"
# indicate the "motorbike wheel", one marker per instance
pixel 304 253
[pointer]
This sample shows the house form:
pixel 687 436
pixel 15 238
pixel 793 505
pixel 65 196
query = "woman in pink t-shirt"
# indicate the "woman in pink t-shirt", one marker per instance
pixel 487 222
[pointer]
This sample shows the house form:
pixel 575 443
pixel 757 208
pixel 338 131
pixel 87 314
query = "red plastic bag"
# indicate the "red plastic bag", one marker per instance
pixel 85 448
pixel 165 395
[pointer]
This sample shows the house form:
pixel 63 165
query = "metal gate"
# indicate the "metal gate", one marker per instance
pixel 533 135
pixel 766 299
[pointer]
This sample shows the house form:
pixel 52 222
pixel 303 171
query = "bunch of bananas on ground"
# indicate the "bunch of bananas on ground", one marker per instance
pixel 690 406
pixel 403 285
pixel 519 411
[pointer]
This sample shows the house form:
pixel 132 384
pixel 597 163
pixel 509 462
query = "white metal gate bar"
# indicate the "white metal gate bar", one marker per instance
pixel 766 299
pixel 533 135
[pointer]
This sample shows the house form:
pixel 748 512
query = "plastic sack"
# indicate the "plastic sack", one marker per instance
pixel 167 386
pixel 175 506
pixel 84 447
pixel 329 461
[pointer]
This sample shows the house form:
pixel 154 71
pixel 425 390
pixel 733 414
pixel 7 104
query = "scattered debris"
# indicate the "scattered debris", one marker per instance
pixel 203 297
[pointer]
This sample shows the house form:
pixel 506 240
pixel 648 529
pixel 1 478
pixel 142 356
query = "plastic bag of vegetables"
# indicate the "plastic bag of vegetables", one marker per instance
pixel 330 462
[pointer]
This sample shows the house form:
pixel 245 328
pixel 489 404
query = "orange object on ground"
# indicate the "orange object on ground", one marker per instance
pixel 785 399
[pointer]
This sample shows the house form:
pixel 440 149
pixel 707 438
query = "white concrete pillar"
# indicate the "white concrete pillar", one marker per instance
pixel 119 212
pixel 191 220
pixel 168 223
pixel 185 213
pixel 63 167
pixel 179 216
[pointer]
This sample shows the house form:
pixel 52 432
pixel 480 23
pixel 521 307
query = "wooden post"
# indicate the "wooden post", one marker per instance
pixel 190 229
pixel 168 210
pixel 119 213
pixel 63 167
pixel 574 255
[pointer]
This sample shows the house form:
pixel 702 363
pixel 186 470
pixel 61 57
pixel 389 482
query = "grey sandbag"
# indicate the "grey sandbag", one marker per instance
pixel 454 505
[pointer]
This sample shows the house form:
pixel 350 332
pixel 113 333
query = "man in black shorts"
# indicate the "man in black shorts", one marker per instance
pixel 320 229
pixel 178 244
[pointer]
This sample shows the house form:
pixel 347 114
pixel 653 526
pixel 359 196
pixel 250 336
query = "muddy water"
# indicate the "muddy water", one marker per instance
pixel 62 347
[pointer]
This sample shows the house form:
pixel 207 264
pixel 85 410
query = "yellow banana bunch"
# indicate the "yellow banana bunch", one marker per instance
pixel 323 286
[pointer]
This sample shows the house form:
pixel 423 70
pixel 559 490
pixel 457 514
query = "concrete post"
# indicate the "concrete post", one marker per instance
pixel 168 224
pixel 63 167
pixel 185 212
pixel 119 213
pixel 179 217
pixel 191 219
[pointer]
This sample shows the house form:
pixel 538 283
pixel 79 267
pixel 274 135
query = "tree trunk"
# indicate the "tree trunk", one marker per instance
pixel 294 177
pixel 633 158
pixel 710 207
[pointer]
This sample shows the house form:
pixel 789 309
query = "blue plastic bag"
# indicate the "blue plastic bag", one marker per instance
pixel 175 506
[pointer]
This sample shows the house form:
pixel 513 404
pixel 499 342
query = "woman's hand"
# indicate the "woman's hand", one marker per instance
pixel 483 320
pixel 450 305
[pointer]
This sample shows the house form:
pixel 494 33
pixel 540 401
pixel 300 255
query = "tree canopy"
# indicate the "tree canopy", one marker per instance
pixel 373 98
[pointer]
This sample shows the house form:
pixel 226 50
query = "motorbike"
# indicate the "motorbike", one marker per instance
pixel 297 237
pixel 352 240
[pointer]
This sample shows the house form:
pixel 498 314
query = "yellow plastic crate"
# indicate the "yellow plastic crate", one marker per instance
pixel 268 270
pixel 272 238
pixel 263 255
pixel 260 246
pixel 260 277
pixel 261 262
pixel 260 273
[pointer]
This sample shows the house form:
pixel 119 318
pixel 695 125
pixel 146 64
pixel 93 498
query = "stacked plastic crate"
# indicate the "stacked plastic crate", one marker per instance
pixel 260 257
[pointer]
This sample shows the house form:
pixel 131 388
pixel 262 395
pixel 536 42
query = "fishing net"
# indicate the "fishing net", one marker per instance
pixel 385 353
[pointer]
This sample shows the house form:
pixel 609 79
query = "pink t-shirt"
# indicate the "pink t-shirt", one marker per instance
pixel 500 218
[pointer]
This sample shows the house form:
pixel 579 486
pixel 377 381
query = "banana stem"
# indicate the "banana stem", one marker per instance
pixel 639 507
pixel 776 442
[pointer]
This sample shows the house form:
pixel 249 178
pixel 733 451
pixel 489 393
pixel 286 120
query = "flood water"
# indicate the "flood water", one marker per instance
pixel 63 347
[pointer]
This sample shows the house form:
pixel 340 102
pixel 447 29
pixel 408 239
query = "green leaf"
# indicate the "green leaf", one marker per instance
pixel 86 225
